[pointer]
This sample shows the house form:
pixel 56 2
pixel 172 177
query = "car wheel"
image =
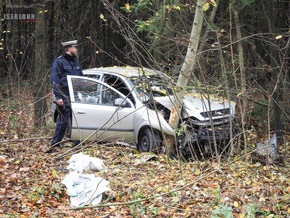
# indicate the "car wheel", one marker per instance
pixel 149 140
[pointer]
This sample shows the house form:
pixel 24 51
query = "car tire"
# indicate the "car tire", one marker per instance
pixel 149 140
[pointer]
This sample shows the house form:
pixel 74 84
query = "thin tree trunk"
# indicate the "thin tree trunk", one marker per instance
pixel 243 94
pixel 40 88
pixel 185 73
pixel 277 75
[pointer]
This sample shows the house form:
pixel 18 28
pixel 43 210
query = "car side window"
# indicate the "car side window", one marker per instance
pixel 108 96
pixel 118 84
pixel 91 92
pixel 85 91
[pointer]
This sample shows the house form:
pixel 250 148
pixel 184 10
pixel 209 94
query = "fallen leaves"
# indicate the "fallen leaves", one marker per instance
pixel 143 184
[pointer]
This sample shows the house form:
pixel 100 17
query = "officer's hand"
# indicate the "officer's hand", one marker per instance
pixel 59 102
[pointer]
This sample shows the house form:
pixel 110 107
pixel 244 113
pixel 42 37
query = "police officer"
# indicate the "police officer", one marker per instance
pixel 66 64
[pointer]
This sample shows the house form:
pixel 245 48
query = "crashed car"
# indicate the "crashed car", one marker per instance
pixel 133 105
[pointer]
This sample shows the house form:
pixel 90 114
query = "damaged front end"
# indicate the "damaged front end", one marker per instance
pixel 203 141
pixel 207 126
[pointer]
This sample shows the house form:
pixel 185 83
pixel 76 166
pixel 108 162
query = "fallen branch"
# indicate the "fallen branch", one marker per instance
pixel 24 140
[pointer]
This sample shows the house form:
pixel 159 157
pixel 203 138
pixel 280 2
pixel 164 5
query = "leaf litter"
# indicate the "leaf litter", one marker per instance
pixel 143 185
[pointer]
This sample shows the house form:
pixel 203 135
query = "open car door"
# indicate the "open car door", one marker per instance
pixel 99 112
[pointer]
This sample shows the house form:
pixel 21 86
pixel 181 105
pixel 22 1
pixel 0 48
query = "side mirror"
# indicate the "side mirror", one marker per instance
pixel 120 102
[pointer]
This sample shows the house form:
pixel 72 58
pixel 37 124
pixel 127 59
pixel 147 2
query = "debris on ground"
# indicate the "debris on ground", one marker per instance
pixel 85 189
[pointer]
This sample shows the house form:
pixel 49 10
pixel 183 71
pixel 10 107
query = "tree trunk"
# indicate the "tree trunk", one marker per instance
pixel 185 73
pixel 40 74
pixel 243 93
pixel 277 74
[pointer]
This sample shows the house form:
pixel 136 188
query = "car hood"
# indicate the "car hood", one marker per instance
pixel 196 104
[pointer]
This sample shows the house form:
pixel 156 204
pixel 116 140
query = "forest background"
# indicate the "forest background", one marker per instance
pixel 156 34
pixel 243 54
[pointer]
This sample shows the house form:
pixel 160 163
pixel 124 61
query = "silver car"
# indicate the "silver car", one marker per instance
pixel 133 105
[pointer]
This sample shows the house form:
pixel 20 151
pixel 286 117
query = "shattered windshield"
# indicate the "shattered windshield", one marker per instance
pixel 148 86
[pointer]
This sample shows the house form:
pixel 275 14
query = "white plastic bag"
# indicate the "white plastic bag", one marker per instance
pixel 81 162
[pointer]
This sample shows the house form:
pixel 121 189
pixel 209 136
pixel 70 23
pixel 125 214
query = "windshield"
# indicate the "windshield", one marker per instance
pixel 148 86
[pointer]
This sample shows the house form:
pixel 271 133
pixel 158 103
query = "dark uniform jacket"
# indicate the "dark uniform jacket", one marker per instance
pixel 61 67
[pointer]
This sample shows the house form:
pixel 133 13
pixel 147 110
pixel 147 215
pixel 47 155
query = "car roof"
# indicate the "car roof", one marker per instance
pixel 126 71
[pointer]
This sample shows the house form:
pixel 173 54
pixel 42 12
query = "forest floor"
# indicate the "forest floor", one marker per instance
pixel 30 180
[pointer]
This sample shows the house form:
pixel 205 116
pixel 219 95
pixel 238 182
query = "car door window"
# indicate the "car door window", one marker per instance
pixel 92 92
pixel 108 96
pixel 118 83
pixel 85 91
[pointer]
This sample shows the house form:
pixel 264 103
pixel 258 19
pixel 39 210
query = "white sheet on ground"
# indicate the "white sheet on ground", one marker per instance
pixel 85 189
pixel 81 162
